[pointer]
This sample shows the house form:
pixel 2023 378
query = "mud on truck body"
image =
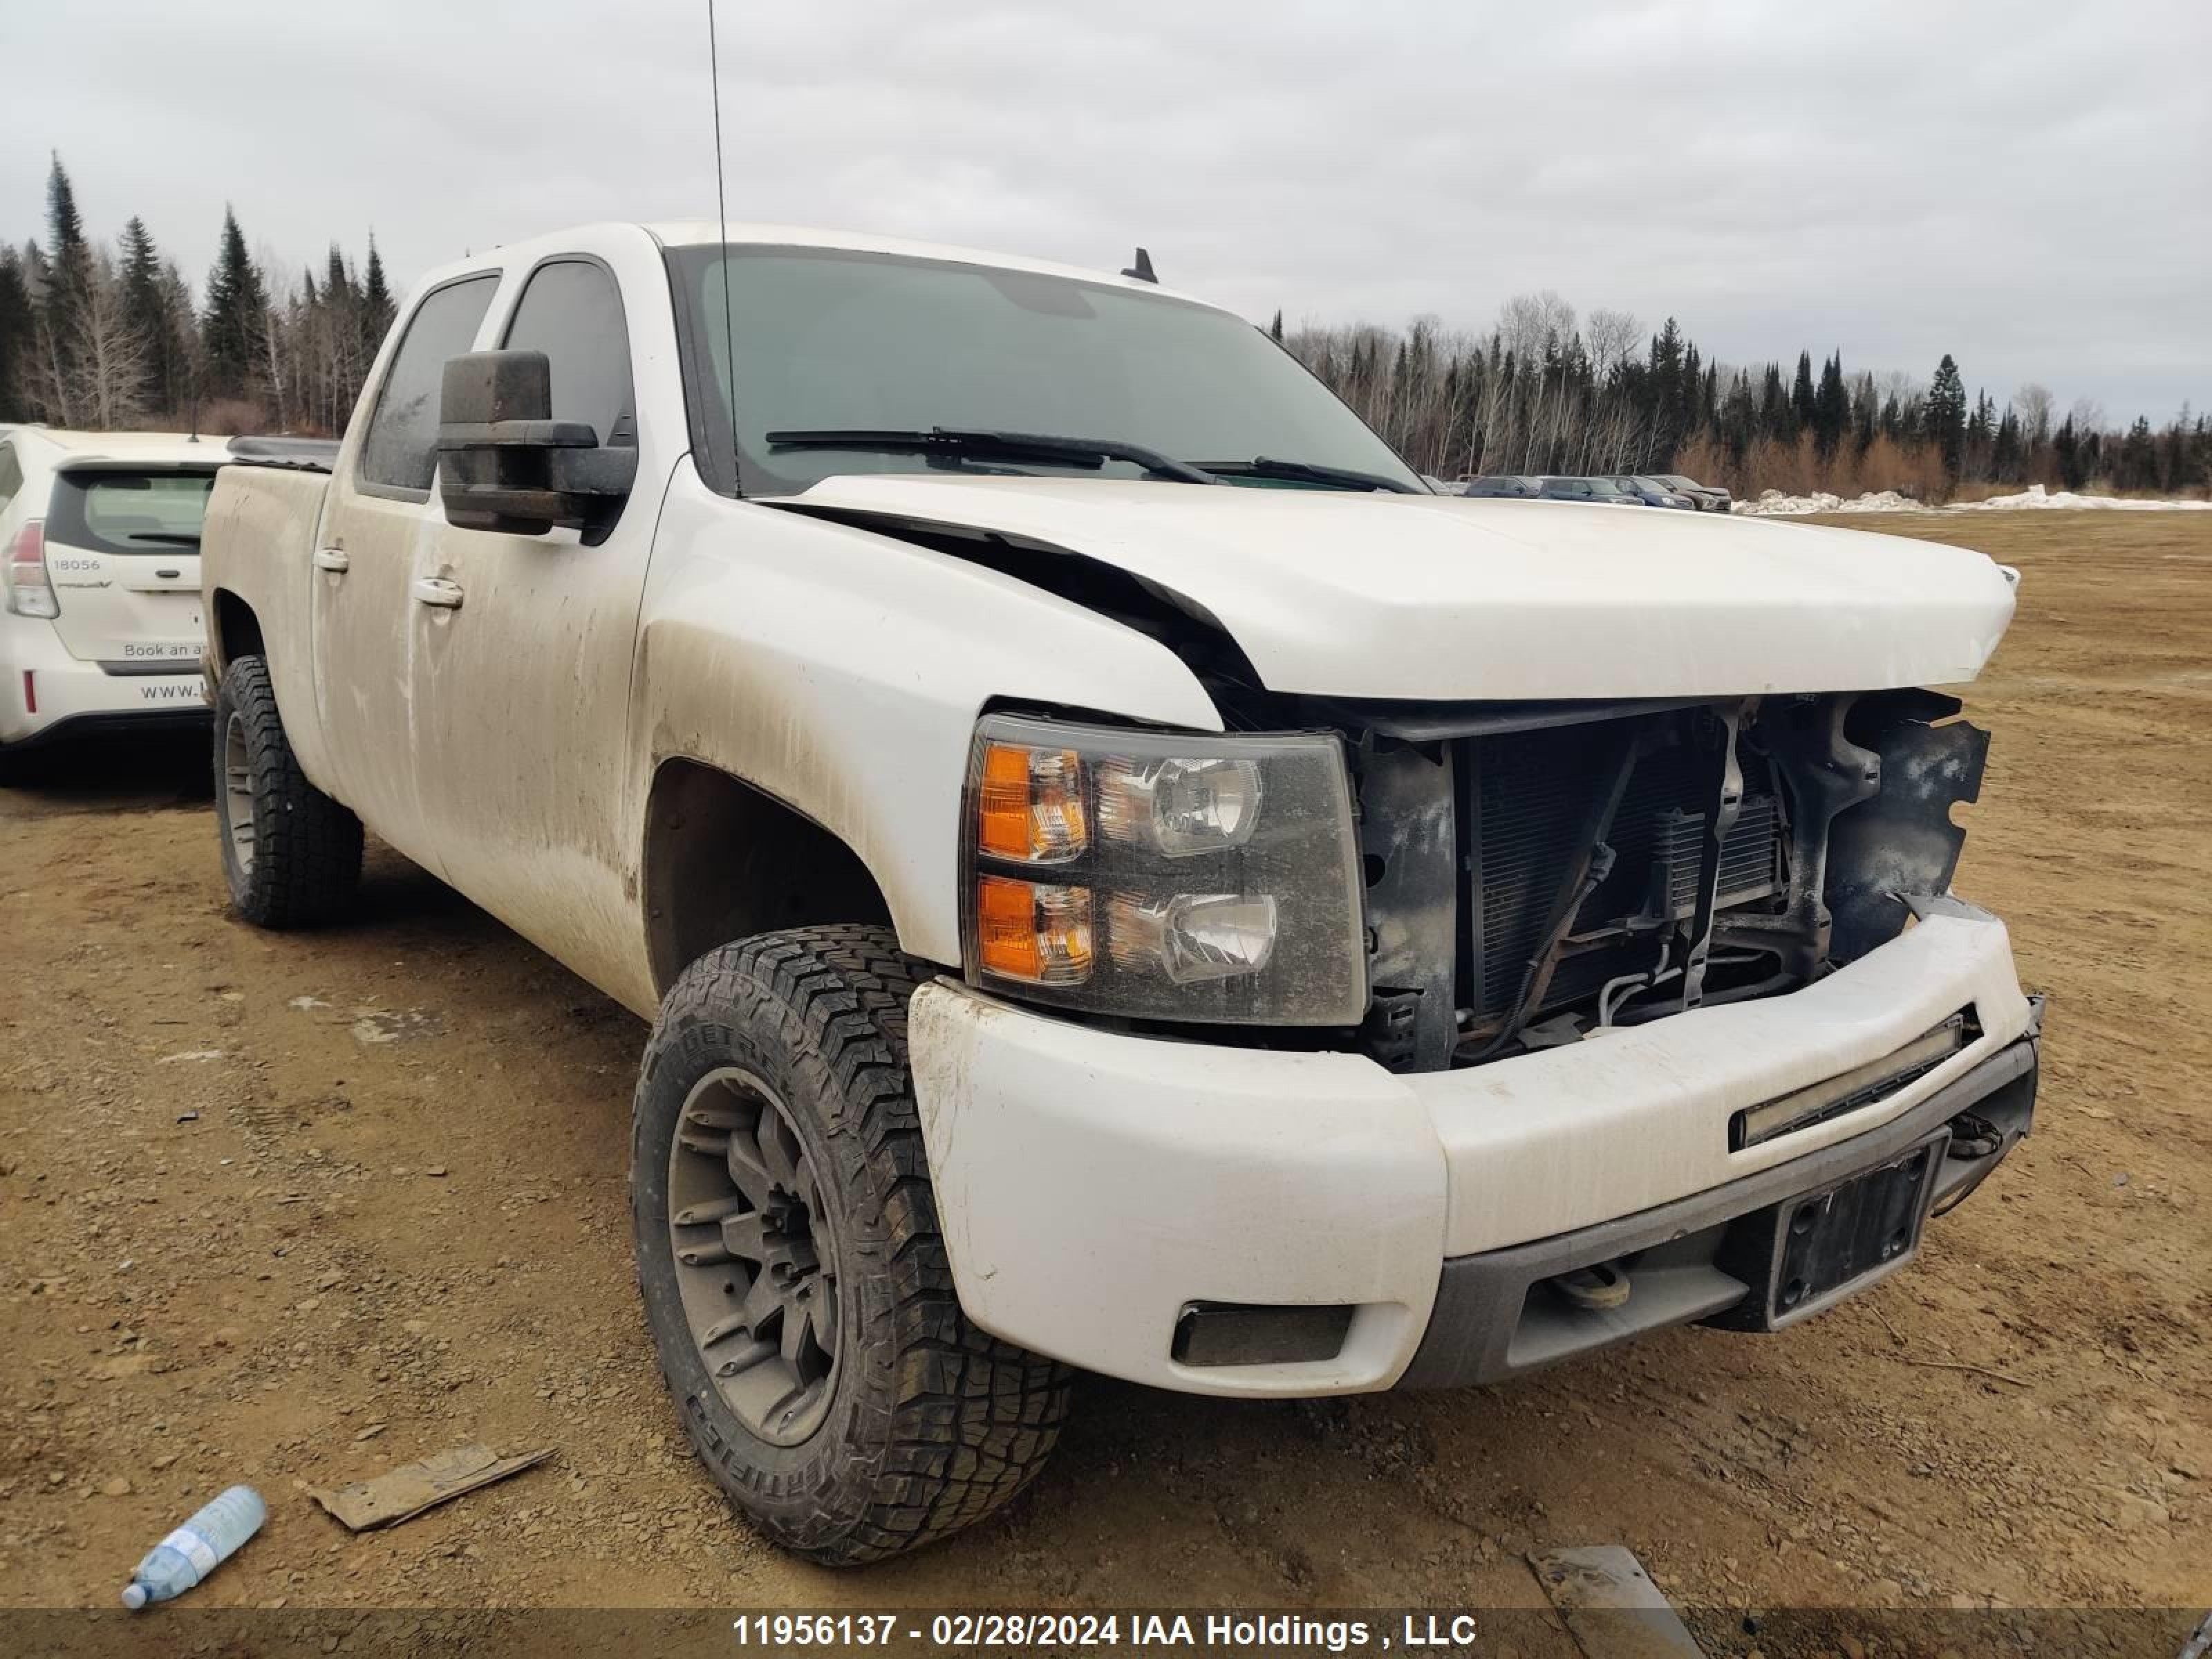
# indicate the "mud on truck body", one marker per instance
pixel 1123 876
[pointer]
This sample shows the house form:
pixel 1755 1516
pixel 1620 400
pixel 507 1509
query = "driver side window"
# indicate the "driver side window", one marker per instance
pixel 572 312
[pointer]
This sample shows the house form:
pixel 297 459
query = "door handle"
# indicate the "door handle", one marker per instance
pixel 332 559
pixel 436 591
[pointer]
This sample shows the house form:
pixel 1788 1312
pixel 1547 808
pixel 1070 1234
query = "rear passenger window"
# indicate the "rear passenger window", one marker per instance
pixel 572 312
pixel 11 476
pixel 401 450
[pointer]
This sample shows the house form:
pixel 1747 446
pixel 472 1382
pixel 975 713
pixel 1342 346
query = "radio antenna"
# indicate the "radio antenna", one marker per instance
pixel 722 221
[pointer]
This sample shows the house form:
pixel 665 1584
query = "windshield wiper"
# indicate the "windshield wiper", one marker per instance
pixel 174 537
pixel 1265 466
pixel 1004 445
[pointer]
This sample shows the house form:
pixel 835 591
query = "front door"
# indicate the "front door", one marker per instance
pixel 521 675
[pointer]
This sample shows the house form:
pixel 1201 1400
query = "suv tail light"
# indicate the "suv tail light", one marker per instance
pixel 29 592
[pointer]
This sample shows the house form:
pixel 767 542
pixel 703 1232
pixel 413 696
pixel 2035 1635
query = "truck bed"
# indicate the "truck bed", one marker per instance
pixel 257 574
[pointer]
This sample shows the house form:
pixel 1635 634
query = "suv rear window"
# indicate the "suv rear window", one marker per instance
pixel 133 512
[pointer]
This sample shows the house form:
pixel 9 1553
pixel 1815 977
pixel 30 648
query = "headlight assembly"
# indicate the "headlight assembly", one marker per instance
pixel 1198 877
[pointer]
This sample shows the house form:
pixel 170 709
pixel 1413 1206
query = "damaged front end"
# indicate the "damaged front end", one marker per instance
pixel 1537 871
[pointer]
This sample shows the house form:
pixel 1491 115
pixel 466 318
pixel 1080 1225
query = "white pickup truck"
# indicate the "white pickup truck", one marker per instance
pixel 1124 876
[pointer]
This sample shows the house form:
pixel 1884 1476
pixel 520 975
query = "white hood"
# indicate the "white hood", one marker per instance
pixel 1428 597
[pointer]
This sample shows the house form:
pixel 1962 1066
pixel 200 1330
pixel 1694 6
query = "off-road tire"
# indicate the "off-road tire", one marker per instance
pixel 932 1424
pixel 305 861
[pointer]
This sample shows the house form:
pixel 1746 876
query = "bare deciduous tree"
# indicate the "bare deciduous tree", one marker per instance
pixel 111 356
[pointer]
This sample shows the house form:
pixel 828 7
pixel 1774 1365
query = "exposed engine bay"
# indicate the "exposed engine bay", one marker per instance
pixel 1536 872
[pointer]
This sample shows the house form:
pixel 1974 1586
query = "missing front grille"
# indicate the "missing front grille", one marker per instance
pixel 1533 801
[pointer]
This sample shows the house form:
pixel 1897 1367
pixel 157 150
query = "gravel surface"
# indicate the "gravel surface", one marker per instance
pixel 293 1209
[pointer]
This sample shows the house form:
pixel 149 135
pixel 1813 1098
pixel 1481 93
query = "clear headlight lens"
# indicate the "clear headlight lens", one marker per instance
pixel 1178 876
pixel 1178 808
pixel 1192 935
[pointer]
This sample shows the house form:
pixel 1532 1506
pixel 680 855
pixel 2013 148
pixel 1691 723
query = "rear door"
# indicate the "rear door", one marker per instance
pixel 123 553
pixel 379 537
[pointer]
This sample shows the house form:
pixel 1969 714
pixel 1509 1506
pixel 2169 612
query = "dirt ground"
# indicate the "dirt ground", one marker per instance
pixel 291 1210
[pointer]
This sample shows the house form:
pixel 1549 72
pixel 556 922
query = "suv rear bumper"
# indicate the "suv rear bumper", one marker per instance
pixel 75 698
pixel 1094 1185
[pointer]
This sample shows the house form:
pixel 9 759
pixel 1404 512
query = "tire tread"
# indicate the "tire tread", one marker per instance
pixel 975 1418
pixel 306 847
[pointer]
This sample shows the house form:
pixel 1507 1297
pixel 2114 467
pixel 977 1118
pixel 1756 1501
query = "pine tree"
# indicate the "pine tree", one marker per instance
pixel 17 340
pixel 67 292
pixel 237 314
pixel 1831 406
pixel 177 306
pixel 1275 328
pixel 1945 413
pixel 2066 450
pixel 2008 449
pixel 1776 418
pixel 1802 403
pixel 2137 467
pixel 150 314
pixel 376 302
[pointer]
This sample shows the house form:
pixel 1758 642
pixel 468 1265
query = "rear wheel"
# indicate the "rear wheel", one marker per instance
pixel 791 1264
pixel 290 853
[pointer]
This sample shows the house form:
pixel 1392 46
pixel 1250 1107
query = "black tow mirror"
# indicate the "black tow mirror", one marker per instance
pixel 505 465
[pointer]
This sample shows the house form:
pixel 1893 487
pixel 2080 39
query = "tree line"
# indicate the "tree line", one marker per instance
pixel 105 336
pixel 99 335
pixel 1545 392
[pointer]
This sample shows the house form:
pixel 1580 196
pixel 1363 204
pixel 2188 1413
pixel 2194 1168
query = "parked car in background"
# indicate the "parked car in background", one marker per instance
pixel 1709 498
pixel 1652 493
pixel 1602 490
pixel 100 544
pixel 1500 484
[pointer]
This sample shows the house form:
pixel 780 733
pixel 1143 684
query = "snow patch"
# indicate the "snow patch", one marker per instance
pixel 1773 504
pixel 2035 496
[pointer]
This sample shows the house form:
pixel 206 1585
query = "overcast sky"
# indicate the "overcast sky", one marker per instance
pixel 2027 185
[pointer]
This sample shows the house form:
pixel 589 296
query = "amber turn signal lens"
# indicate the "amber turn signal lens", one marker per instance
pixel 1030 932
pixel 1029 804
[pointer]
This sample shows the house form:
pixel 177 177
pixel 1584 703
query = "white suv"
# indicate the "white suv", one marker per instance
pixel 100 556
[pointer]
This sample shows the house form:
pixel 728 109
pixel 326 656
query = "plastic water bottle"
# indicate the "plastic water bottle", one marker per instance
pixel 196 1548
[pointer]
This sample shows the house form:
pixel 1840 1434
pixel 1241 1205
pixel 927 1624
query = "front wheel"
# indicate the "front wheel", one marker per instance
pixel 791 1264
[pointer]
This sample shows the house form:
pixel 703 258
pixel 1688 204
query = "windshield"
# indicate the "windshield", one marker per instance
pixel 828 340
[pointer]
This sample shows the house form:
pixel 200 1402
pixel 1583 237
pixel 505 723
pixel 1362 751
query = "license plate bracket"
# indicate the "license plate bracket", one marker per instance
pixel 1809 1252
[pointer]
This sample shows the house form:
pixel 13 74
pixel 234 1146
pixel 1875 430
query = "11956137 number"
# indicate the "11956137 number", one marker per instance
pixel 812 1629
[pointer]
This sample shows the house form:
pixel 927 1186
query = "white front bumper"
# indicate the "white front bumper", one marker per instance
pixel 1090 1184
